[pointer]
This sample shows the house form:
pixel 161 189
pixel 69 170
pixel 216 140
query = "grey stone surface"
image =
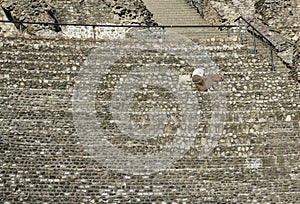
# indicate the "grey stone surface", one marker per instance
pixel 256 158
pixel 42 159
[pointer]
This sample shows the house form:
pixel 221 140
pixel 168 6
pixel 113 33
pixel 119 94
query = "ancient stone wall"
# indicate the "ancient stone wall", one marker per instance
pixel 31 10
pixel 78 12
pixel 7 29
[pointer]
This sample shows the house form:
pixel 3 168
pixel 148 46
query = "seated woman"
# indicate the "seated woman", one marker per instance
pixel 204 83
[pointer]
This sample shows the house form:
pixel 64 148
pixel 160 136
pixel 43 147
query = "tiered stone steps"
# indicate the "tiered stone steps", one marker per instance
pixel 41 148
pixel 179 12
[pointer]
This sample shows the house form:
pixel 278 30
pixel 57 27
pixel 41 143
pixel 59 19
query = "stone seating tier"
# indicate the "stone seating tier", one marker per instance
pixel 44 159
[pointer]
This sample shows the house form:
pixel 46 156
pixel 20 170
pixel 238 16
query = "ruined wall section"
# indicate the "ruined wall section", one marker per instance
pixel 279 21
pixel 103 11
pixel 76 12
pixel 6 29
pixel 31 10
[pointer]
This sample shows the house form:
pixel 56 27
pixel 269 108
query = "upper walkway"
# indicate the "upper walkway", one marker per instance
pixel 179 12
